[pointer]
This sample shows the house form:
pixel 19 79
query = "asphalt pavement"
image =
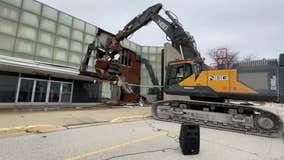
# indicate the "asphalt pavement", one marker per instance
pixel 144 139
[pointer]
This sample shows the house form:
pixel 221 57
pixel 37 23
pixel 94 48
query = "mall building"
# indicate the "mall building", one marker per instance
pixel 40 53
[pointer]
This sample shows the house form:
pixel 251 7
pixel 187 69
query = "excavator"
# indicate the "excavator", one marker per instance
pixel 209 90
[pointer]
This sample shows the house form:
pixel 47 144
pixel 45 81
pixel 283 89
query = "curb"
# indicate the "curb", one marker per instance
pixel 130 118
pixel 44 128
pixel 20 130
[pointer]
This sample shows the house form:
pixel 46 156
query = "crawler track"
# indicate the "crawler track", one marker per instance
pixel 224 116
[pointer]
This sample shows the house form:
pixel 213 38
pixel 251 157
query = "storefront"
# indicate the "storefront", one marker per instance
pixel 20 89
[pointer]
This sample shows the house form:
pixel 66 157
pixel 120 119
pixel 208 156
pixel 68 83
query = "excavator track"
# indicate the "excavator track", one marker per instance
pixel 223 116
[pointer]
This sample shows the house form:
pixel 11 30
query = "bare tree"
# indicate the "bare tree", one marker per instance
pixel 233 55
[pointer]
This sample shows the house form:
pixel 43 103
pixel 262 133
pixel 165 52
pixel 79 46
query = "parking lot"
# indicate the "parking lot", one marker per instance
pixel 144 139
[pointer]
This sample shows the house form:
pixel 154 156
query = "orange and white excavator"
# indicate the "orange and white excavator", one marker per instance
pixel 207 89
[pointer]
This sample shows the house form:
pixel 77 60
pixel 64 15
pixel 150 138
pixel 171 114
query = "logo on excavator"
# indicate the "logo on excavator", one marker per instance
pixel 163 25
pixel 218 78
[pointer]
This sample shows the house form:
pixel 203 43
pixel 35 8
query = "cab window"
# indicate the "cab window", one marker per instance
pixel 196 69
pixel 177 73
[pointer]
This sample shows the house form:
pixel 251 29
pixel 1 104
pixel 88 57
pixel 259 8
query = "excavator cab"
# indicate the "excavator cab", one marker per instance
pixel 180 70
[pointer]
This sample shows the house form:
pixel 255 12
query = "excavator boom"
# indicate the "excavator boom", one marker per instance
pixel 180 39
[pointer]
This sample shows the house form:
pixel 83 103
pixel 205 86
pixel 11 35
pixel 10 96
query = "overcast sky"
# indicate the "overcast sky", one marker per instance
pixel 249 26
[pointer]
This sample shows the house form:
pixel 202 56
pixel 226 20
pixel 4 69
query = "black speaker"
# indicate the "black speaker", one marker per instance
pixel 189 139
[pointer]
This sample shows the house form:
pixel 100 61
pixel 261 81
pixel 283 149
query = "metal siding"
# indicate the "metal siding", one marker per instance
pixel 257 80
pixel 260 75
pixel 281 84
pixel 281 59
pixel 281 78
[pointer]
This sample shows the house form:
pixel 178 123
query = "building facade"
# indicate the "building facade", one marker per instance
pixel 40 53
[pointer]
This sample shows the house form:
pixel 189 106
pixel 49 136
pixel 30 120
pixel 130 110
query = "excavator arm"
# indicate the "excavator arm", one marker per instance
pixel 138 22
pixel 180 39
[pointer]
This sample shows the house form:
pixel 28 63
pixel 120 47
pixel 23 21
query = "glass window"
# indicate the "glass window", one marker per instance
pixel 6 53
pixel 86 92
pixel 46 38
pixel 32 6
pixel 127 43
pixel 62 42
pixel 133 46
pixel 122 43
pixel 60 54
pixel 54 92
pixel 143 91
pixel 7 42
pixel 76 46
pixel 63 30
pixel 121 59
pixel 130 62
pixel 152 57
pixel 40 91
pixel 66 92
pixel 158 67
pixel 153 50
pixel 47 25
pixel 44 51
pixel 159 50
pixel 26 89
pixel 8 27
pixel 14 2
pixel 176 73
pixel 145 74
pixel 89 39
pixel 65 19
pixel 85 49
pixel 75 58
pixel 158 59
pixel 9 12
pixel 77 35
pixel 145 49
pixel 138 49
pixel 91 29
pixel 196 69
pixel 27 32
pixel 49 12
pixel 78 24
pixel 172 72
pixel 24 46
pixel 8 87
pixel 30 19
pixel 125 59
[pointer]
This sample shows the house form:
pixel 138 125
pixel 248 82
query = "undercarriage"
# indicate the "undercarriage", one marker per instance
pixel 224 116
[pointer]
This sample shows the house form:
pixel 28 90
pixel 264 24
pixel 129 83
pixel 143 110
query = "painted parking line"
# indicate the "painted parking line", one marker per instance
pixel 117 146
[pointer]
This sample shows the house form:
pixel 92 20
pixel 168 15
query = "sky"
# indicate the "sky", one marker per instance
pixel 252 27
